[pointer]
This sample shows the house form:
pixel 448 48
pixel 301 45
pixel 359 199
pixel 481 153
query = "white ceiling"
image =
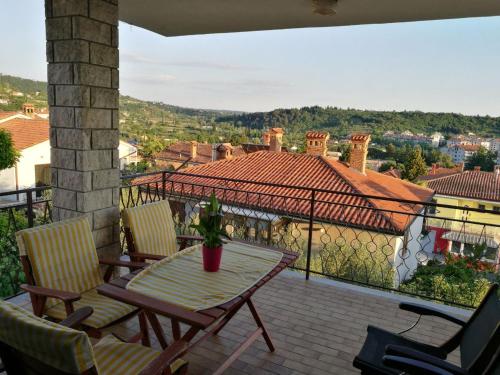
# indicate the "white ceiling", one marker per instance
pixel 188 17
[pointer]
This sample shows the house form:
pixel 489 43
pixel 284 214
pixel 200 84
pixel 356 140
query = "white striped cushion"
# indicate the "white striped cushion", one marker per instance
pixel 115 357
pixel 64 348
pixel 106 310
pixel 152 227
pixel 62 255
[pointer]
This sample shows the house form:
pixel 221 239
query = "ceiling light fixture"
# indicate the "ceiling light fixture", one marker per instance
pixel 324 7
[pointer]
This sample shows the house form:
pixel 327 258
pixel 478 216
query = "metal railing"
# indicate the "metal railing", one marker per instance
pixel 400 245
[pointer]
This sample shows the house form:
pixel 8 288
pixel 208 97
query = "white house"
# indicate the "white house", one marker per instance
pixel 461 152
pixel 31 139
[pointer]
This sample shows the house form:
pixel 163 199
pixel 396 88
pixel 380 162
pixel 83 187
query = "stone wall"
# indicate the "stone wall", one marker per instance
pixel 82 55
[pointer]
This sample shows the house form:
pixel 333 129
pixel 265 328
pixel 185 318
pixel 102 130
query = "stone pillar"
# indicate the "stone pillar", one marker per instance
pixel 82 55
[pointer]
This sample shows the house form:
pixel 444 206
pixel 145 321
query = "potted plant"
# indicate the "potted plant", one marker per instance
pixel 211 229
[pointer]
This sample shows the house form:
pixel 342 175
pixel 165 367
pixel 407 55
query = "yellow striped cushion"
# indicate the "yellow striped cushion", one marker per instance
pixel 64 348
pixel 152 227
pixel 115 357
pixel 62 255
pixel 106 310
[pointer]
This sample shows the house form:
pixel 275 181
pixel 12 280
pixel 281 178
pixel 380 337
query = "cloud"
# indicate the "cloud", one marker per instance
pixel 197 64
pixel 152 79
pixel 245 86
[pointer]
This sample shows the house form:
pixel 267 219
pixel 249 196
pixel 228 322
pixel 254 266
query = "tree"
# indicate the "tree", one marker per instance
pixel 390 150
pixel 152 146
pixel 8 154
pixel 345 149
pixel 482 158
pixel 391 164
pixel 414 165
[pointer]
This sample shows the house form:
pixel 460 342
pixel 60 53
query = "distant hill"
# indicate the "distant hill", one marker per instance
pixel 139 118
pixel 340 122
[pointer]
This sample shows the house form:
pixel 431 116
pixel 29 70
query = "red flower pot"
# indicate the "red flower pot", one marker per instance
pixel 211 258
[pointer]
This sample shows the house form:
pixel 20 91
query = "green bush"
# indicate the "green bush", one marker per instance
pixel 11 273
pixel 461 280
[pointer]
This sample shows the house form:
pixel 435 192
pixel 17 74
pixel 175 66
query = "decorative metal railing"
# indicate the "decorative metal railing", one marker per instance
pixel 440 252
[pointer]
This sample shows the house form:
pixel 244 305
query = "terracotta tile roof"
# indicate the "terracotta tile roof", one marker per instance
pixel 316 135
pixel 26 132
pixel 308 171
pixel 468 147
pixel 5 115
pixel 395 173
pixel 277 130
pixel 440 172
pixel 360 137
pixel 469 184
pixel 181 151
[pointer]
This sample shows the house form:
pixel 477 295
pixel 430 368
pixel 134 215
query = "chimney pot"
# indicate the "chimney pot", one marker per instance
pixel 193 149
pixel 317 143
pixel 266 138
pixel 477 168
pixel 359 151
pixel 276 139
pixel 224 151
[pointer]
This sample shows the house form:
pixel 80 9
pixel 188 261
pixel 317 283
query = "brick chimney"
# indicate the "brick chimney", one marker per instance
pixel 266 138
pixel 276 139
pixel 193 149
pixel 317 143
pixel 359 151
pixel 461 165
pixel 28 109
pixel 224 151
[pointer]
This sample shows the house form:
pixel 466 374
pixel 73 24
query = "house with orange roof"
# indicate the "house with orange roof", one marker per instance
pixel 267 195
pixel 31 139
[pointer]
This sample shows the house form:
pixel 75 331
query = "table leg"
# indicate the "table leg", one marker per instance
pixel 260 324
pixel 176 329
pixel 143 324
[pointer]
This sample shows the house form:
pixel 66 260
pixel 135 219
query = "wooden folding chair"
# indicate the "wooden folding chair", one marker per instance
pixel 150 232
pixel 34 346
pixel 63 271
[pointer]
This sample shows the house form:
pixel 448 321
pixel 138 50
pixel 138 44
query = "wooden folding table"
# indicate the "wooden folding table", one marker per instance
pixel 210 320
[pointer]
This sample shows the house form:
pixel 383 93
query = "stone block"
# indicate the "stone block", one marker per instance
pixel 75 139
pixel 103 236
pixel 69 214
pixel 49 51
pixel 116 119
pixel 94 200
pixel 69 8
pixel 53 175
pixel 93 118
pixel 75 180
pixel 62 117
pixel 107 178
pixel 103 98
pixel 105 139
pixel 115 78
pixel 71 51
pixel 53 137
pixel 51 96
pixel 93 160
pixel 116 159
pixel 91 30
pixel 104 55
pixel 116 196
pixel 103 11
pixel 62 198
pixel 62 158
pixel 112 251
pixel 60 74
pixel 92 75
pixel 72 96
pixel 106 217
pixel 59 28
pixel 114 36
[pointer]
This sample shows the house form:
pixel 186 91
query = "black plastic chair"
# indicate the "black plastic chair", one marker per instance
pixel 390 353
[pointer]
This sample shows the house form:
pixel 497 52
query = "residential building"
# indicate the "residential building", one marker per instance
pixel 436 171
pixel 190 153
pixel 30 136
pixel 468 189
pixel 459 153
pixel 407 136
pixel 344 217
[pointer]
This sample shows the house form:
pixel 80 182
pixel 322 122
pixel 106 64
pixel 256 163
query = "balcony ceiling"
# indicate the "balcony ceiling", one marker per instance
pixel 188 17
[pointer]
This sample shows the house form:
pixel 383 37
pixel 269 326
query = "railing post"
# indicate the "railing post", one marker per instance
pixel 29 207
pixel 309 238
pixel 163 184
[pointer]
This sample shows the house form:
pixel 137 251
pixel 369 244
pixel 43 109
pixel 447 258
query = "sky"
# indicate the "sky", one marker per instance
pixel 435 66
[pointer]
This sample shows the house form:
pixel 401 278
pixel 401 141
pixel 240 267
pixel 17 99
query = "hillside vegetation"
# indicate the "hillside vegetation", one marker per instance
pixel 142 120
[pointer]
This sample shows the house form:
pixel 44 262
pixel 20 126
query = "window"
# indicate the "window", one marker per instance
pixel 490 254
pixel 481 207
pixel 496 208
pixel 468 250
pixel 456 247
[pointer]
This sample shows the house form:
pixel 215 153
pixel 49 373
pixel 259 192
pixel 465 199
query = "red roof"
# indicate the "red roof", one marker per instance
pixel 4 115
pixel 469 184
pixel 360 137
pixel 26 132
pixel 308 171
pixel 440 172
pixel 468 147
pixel 393 172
